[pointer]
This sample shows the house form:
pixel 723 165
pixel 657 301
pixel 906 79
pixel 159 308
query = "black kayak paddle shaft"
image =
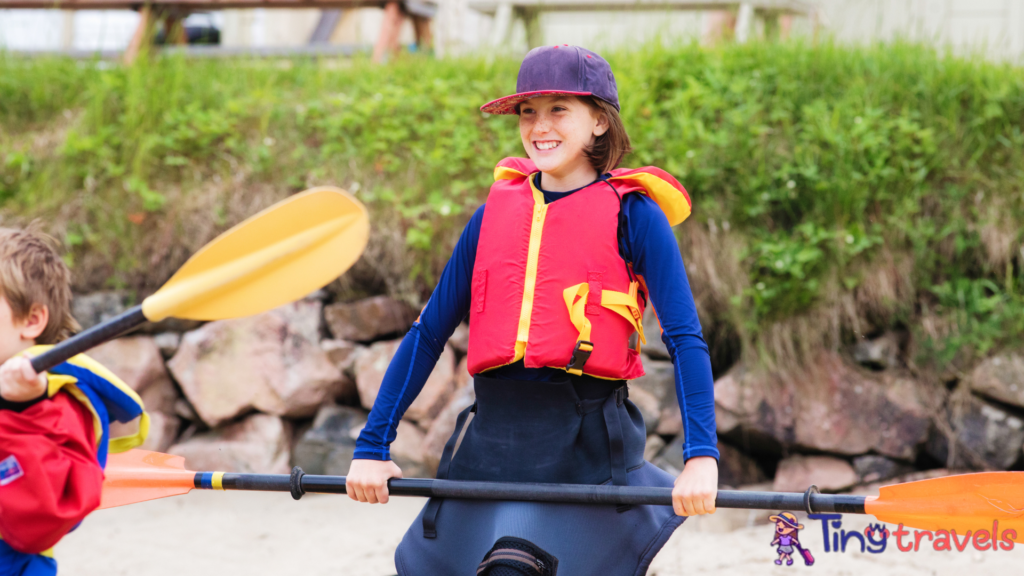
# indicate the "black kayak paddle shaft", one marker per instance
pixel 86 339
pixel 299 483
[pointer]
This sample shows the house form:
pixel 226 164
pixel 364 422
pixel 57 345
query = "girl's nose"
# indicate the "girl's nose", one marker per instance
pixel 543 124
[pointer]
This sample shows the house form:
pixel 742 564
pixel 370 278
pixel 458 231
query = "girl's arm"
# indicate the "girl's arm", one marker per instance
pixel 653 248
pixel 654 251
pixel 412 365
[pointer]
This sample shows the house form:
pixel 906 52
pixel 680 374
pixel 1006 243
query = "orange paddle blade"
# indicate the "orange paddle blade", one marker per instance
pixel 963 502
pixel 140 475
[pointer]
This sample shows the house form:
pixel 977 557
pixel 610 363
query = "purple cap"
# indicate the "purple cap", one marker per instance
pixel 561 69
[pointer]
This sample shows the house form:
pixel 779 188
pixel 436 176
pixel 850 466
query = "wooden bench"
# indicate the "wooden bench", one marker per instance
pixel 172 12
pixel 507 11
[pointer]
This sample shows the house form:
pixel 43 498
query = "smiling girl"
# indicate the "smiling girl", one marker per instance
pixel 554 272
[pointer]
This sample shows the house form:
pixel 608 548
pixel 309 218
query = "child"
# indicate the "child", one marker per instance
pixel 554 272
pixel 54 427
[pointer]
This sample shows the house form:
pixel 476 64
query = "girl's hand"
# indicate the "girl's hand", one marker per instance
pixel 19 382
pixel 696 487
pixel 367 480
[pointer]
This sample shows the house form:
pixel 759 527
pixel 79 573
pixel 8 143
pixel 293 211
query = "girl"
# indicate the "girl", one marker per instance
pixel 554 272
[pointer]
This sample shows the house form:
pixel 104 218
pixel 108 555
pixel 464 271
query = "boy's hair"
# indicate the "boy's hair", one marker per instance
pixel 31 272
pixel 611 147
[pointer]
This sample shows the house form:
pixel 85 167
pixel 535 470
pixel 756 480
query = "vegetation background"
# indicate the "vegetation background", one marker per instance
pixel 839 192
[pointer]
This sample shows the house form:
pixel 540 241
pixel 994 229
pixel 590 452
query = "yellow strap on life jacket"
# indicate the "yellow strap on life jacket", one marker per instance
pixel 624 305
pixel 59 382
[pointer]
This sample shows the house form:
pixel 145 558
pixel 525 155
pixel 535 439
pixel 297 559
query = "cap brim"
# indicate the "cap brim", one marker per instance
pixel 507 105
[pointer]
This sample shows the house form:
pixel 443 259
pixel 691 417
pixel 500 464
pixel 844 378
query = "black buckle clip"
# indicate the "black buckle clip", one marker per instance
pixel 579 357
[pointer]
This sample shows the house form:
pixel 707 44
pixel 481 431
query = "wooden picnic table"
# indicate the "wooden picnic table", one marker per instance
pixel 507 11
pixel 172 12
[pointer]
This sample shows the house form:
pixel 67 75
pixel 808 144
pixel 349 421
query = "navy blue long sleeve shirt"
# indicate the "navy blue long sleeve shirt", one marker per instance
pixel 648 242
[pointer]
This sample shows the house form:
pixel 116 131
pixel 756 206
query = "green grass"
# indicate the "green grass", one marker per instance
pixel 821 162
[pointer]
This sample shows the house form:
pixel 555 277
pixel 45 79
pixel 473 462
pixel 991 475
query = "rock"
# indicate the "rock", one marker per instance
pixel 369 319
pixel 341 353
pixel 659 381
pixel 271 362
pixel 653 447
pixel 460 339
pixel 654 348
pixel 671 457
pixel 327 447
pixel 1000 378
pixel 736 468
pixel 872 468
pixel 407 451
pixel 168 343
pixel 878 354
pixel 371 364
pixel 797 473
pixel 986 437
pixel 443 426
pixel 462 375
pixel 185 410
pixel 871 488
pixel 671 421
pixel 833 407
pixel 137 361
pixel 163 431
pixel 257 444
pixel 649 407
pixel 91 309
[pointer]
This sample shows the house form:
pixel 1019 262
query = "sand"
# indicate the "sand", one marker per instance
pixel 266 533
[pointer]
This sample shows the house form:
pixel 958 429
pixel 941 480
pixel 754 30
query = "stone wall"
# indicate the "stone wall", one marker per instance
pixel 293 386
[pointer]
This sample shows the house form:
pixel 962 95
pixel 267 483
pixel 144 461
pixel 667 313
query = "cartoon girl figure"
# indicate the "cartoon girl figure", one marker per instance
pixel 786 536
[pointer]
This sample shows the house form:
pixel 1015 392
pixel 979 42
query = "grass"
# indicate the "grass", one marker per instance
pixel 838 191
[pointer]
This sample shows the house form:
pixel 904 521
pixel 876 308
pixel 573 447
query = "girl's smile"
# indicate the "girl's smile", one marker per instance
pixel 557 131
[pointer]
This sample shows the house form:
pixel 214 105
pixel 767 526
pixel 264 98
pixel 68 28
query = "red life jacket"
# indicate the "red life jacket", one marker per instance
pixel 549 285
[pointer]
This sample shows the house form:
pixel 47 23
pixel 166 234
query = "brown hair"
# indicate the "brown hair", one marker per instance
pixel 609 148
pixel 31 272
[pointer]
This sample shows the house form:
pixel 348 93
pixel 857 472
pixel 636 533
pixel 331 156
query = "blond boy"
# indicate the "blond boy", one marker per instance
pixel 54 426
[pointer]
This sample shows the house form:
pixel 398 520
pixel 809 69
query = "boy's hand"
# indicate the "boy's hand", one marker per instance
pixel 696 487
pixel 19 382
pixel 367 480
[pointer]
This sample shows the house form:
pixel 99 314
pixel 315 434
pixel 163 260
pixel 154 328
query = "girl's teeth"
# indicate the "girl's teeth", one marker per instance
pixel 547 145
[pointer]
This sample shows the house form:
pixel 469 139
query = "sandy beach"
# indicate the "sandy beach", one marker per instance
pixel 254 534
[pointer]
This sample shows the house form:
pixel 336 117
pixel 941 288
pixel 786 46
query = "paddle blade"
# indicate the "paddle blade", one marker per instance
pixel 963 502
pixel 279 255
pixel 140 475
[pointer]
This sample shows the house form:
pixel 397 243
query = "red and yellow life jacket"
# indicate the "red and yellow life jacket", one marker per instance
pixel 549 285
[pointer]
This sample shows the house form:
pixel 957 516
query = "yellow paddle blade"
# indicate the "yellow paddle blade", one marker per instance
pixel 963 502
pixel 140 475
pixel 279 255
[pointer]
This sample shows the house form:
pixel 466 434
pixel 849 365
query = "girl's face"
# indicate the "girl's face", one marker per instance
pixel 556 131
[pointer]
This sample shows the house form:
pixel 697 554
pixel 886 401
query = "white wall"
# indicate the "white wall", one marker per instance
pixel 993 26
pixel 56 29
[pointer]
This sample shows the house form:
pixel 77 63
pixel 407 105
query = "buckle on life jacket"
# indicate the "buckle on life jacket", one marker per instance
pixel 580 355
